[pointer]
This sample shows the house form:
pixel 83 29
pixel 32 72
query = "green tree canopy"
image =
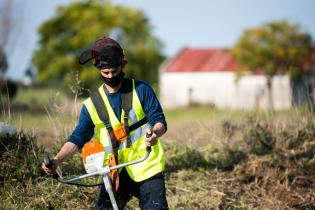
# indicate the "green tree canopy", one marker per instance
pixel 277 47
pixel 76 27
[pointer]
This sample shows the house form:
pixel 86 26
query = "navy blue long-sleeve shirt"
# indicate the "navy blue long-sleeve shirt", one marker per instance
pixel 84 130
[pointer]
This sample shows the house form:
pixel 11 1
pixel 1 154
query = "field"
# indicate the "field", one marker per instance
pixel 215 159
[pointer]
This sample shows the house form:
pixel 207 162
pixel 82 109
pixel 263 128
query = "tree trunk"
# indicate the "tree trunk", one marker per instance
pixel 269 90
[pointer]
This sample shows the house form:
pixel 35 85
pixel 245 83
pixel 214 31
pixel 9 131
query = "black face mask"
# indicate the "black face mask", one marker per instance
pixel 114 81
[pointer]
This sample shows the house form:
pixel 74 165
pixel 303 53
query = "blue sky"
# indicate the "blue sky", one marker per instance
pixel 183 23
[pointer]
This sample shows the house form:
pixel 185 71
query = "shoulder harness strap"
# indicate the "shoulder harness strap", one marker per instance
pixel 126 99
pixel 103 115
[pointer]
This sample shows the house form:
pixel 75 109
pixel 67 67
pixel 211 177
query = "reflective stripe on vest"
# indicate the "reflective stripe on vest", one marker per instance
pixel 141 171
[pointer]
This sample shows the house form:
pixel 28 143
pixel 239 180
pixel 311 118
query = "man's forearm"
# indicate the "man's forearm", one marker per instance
pixel 67 150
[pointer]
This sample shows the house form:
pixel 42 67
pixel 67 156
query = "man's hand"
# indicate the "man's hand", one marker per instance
pixel 157 131
pixel 52 169
pixel 152 140
pixel 67 150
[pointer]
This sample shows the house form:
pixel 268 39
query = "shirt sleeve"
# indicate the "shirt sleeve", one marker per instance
pixel 84 130
pixel 150 104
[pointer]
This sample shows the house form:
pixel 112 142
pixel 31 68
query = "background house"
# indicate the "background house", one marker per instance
pixel 208 76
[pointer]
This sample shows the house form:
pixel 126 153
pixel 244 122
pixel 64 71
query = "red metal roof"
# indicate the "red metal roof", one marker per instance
pixel 202 60
pixel 213 59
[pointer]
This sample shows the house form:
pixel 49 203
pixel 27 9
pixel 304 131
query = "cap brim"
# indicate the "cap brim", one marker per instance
pixel 110 54
pixel 86 56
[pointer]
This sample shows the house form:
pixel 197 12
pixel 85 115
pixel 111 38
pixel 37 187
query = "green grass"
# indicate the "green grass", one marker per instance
pixel 39 95
pixel 39 120
pixel 38 108
pixel 215 115
pixel 186 114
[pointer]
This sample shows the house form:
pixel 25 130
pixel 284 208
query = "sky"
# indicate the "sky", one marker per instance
pixel 181 23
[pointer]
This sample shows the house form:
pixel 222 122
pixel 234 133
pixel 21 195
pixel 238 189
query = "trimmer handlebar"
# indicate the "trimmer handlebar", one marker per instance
pixel 48 163
pixel 102 171
pixel 148 135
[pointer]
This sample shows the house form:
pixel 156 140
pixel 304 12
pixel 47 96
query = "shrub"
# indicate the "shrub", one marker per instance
pixel 182 157
pixel 259 139
pixel 20 158
pixel 8 87
pixel 225 158
pixel 306 133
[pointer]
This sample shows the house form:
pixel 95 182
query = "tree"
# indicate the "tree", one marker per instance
pixel 76 26
pixel 274 48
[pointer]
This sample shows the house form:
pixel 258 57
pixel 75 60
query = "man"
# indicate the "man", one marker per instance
pixel 144 180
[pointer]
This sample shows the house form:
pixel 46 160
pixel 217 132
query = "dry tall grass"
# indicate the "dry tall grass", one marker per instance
pixel 256 163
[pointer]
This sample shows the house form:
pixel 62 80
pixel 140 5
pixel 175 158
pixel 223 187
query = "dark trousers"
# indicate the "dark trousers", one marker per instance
pixel 150 192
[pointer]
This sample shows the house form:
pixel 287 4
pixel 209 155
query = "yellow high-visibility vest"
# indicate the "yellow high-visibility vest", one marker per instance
pixel 154 164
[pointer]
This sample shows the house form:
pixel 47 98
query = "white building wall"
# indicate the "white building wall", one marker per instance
pixel 223 90
pixel 282 92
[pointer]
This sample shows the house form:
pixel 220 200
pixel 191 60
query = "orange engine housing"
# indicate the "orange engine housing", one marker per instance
pixel 92 147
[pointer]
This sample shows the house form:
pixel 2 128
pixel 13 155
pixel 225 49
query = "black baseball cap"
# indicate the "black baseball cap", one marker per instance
pixel 106 50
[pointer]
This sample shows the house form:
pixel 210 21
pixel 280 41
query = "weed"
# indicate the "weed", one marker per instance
pixel 182 157
pixel 225 158
pixel 259 139
pixel 20 158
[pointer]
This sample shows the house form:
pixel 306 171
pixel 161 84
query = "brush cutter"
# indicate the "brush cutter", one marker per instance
pixel 93 163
